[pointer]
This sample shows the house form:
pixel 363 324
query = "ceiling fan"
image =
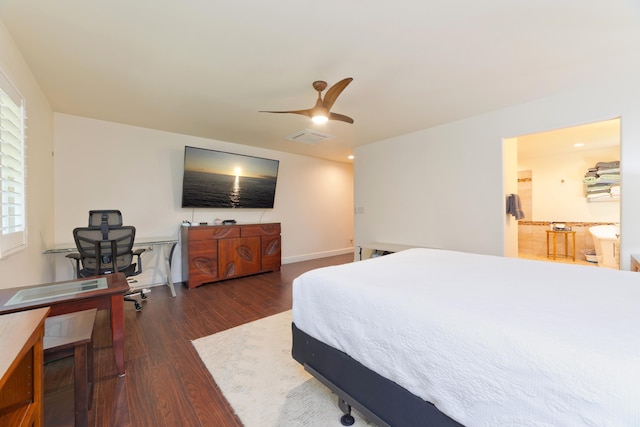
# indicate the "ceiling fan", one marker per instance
pixel 322 110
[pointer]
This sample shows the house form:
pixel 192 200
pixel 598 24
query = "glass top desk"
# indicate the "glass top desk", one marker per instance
pixel 101 292
pixel 167 246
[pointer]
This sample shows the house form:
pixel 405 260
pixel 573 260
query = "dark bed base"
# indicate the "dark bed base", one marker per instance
pixel 379 399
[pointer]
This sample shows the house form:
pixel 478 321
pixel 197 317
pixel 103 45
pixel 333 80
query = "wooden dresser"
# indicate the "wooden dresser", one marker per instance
pixel 217 252
pixel 22 367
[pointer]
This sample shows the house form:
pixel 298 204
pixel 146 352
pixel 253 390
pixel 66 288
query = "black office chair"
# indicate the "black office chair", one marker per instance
pixel 105 247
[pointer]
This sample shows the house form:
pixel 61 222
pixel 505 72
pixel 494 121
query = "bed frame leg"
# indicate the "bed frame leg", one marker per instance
pixel 347 419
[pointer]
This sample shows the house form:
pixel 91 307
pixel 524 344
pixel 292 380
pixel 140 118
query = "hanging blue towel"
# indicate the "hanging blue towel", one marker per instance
pixel 513 206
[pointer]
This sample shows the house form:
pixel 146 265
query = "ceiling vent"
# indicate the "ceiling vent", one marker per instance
pixel 309 136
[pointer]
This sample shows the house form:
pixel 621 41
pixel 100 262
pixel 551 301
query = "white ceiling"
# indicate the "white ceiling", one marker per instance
pixel 599 136
pixel 206 67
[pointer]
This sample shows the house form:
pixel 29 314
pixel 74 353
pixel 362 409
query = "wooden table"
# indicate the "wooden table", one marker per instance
pixel 566 234
pixel 111 298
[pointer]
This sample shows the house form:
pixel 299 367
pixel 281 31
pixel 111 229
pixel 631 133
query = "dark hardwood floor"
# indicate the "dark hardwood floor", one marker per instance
pixel 166 383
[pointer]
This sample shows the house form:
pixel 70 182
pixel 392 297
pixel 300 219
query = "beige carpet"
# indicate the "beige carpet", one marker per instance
pixel 253 367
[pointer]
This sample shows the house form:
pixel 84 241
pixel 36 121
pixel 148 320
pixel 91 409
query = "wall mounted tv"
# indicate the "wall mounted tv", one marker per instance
pixel 216 179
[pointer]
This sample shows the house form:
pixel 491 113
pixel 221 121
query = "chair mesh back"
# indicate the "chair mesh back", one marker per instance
pixel 111 217
pixel 89 241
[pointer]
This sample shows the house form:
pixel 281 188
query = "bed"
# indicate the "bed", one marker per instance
pixel 444 338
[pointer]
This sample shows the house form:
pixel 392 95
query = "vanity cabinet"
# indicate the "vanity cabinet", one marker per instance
pixel 211 253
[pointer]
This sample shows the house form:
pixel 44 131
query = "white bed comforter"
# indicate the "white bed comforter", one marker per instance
pixel 491 341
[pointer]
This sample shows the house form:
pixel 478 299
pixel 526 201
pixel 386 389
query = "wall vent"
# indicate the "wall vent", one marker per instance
pixel 309 136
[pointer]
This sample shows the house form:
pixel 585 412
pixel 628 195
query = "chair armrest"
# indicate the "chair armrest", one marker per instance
pixel 138 252
pixel 75 256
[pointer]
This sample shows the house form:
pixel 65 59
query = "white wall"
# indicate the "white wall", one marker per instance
pixel 510 181
pixel 440 187
pixel 30 266
pixel 558 190
pixel 104 165
pixel 443 186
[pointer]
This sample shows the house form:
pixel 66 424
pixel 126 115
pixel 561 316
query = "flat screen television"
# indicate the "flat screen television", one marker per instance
pixel 216 179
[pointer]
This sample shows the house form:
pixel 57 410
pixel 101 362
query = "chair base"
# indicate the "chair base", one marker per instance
pixel 142 293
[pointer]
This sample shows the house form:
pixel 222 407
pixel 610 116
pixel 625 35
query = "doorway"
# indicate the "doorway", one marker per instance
pixel 553 187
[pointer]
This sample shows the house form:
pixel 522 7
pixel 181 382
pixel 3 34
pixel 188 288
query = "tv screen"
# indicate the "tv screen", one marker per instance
pixel 216 179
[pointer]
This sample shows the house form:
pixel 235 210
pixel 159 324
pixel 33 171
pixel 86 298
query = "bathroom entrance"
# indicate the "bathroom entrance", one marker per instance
pixel 569 188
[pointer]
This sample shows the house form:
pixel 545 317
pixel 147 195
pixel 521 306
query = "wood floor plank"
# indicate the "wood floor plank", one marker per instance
pixel 110 402
pixel 166 383
pixel 204 395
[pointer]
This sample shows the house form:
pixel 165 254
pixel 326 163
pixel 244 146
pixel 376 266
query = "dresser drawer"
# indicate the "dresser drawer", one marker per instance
pixel 260 230
pixel 211 232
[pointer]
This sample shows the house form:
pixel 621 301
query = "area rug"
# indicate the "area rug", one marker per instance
pixel 253 367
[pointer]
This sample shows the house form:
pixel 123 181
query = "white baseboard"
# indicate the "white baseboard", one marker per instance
pixel 316 255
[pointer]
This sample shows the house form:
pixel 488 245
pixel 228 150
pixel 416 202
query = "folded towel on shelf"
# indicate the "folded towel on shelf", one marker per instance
pixel 615 190
pixel 514 207
pixel 604 190
pixel 608 176
pixel 598 187
pixel 598 195
pixel 607 165
pixel 589 179
pixel 609 170
pixel 615 179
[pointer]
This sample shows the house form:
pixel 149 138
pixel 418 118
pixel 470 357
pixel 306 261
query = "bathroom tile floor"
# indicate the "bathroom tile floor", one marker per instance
pixel 560 259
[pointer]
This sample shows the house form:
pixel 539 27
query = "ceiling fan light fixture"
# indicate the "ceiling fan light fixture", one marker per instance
pixel 320 119
pixel 321 113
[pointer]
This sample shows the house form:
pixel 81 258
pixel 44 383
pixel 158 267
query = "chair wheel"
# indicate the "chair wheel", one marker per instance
pixel 143 295
pixel 138 306
pixel 347 420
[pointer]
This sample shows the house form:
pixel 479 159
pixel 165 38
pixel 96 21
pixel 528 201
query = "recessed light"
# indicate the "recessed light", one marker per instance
pixel 578 144
pixel 350 157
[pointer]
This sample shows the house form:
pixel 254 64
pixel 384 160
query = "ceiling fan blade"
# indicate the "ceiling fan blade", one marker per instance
pixel 341 117
pixel 334 91
pixel 303 112
pixel 323 107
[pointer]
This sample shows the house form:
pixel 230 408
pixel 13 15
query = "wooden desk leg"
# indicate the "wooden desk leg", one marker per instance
pixel 90 368
pixel 573 243
pixel 554 246
pixel 80 385
pixel 117 331
pixel 566 248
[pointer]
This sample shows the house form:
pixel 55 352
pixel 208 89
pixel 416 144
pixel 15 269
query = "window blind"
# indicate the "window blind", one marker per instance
pixel 12 169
